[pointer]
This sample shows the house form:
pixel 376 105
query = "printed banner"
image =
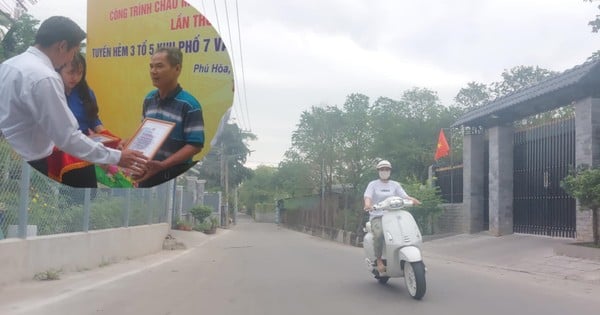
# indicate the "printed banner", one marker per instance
pixel 123 35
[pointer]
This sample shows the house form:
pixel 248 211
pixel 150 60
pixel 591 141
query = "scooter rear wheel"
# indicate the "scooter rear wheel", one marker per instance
pixel 414 278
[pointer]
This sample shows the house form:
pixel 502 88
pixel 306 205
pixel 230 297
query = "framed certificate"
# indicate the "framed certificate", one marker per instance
pixel 150 136
pixel 102 138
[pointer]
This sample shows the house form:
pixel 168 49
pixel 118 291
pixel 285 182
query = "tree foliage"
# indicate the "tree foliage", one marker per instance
pixel 518 78
pixel 231 148
pixel 20 36
pixel 341 145
pixel 584 184
pixel 473 96
pixel 260 188
pixel 294 179
pixel 595 24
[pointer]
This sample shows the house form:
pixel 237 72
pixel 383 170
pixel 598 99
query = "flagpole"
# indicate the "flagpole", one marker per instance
pixel 444 152
pixel 451 171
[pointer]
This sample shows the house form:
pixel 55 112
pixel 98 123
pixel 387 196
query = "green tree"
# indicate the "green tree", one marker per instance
pixel 317 141
pixel 232 147
pixel 514 79
pixel 406 131
pixel 595 24
pixel 294 178
pixel 260 188
pixel 356 137
pixel 473 96
pixel 20 36
pixel 519 77
pixel 584 184
pixel 5 22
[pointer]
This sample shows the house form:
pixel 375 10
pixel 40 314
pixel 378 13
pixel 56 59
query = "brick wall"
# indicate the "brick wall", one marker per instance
pixel 451 220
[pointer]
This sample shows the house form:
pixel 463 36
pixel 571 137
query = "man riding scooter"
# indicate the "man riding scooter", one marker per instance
pixel 377 191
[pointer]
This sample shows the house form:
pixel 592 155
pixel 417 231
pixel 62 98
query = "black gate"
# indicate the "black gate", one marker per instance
pixel 543 156
pixel 450 183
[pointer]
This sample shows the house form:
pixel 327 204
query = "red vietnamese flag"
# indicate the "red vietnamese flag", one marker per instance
pixel 443 148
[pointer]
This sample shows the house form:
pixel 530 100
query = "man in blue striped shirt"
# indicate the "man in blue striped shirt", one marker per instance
pixel 170 102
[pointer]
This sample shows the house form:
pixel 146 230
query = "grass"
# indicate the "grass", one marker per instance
pixel 50 274
pixel 105 263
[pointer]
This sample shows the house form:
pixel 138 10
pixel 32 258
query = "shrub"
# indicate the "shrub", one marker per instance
pixel 430 199
pixel 201 212
pixel 584 184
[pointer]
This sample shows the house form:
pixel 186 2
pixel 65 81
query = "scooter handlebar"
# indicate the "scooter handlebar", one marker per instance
pixel 393 203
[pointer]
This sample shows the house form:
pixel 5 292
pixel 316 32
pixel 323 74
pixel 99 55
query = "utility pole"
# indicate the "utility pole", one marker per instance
pixel 235 205
pixel 321 215
pixel 226 192
pixel 222 182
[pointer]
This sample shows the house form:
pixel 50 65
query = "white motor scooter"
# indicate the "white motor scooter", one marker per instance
pixel 401 252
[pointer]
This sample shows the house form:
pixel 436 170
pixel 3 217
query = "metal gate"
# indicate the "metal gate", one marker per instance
pixel 543 156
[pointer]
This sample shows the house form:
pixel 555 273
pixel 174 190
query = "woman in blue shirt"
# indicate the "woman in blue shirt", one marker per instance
pixel 82 102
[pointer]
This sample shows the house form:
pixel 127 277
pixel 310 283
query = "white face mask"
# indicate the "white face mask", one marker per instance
pixel 384 175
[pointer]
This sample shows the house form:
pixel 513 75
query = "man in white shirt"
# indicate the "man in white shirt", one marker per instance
pixel 377 191
pixel 34 115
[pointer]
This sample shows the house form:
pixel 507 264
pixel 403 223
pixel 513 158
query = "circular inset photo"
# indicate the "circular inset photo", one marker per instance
pixel 136 107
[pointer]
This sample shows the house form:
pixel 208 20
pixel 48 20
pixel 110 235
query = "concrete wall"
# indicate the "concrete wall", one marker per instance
pixel 451 220
pixel 22 259
pixel 266 217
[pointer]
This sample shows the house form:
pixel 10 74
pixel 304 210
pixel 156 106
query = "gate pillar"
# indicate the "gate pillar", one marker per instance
pixel 587 151
pixel 473 168
pixel 501 180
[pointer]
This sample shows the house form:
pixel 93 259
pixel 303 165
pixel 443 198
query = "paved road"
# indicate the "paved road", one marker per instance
pixel 260 269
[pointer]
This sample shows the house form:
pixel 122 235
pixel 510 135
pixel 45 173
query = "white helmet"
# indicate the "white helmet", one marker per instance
pixel 384 163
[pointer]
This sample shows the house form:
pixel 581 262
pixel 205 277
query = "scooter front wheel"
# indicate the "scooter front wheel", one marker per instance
pixel 414 278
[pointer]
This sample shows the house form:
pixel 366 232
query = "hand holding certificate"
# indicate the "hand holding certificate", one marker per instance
pixel 150 136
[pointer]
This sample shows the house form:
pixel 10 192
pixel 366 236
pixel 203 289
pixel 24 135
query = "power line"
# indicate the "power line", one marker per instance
pixel 7 8
pixel 203 8
pixel 243 120
pixel 217 15
pixel 219 31
pixel 242 63
pixel 20 3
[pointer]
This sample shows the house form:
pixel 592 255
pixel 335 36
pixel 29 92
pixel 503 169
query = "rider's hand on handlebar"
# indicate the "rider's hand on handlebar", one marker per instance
pixel 369 209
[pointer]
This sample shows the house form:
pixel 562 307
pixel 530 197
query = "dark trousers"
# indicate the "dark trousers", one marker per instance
pixel 165 175
pixel 77 179
pixel 40 165
pixel 84 177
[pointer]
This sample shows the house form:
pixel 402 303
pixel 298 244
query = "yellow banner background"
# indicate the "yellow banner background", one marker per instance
pixel 121 36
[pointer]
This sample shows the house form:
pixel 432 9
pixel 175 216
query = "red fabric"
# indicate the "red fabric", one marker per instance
pixel 111 144
pixel 60 162
pixel 443 149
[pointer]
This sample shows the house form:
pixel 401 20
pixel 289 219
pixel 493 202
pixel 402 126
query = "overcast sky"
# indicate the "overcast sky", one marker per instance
pixel 301 53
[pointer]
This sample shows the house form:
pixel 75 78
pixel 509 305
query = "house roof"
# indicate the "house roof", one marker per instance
pixel 559 90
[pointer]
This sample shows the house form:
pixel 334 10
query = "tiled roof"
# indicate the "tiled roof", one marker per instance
pixel 544 95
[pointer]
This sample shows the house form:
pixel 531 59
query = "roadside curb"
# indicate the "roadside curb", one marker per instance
pixel 577 251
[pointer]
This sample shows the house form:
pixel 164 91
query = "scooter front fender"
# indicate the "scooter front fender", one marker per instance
pixel 410 254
